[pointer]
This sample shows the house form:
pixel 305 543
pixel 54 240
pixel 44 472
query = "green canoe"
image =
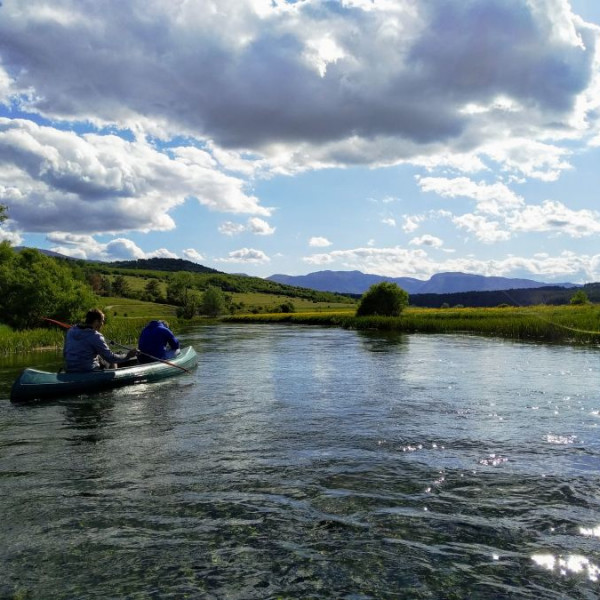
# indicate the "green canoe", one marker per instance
pixel 39 385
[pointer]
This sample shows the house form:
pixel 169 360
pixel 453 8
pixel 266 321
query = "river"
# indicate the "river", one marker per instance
pixel 303 462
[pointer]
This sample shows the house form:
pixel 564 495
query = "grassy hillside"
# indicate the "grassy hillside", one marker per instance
pixel 137 278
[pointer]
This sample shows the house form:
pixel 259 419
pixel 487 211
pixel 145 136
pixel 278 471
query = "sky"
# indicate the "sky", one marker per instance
pixel 396 137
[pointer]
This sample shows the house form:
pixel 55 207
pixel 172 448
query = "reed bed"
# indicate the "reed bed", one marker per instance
pixel 572 324
pixel 14 342
pixel 121 331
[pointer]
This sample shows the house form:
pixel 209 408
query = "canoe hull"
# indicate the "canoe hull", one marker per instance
pixel 33 384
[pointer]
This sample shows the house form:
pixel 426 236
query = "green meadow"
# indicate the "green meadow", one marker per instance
pixel 569 324
pixel 124 321
pixel 125 318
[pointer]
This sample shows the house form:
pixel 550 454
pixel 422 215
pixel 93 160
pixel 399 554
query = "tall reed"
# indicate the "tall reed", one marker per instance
pixel 577 324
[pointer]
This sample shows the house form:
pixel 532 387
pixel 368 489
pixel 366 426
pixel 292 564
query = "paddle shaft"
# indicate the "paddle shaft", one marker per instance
pixel 66 326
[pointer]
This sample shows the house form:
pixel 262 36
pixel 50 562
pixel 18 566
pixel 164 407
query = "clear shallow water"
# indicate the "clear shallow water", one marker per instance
pixel 304 462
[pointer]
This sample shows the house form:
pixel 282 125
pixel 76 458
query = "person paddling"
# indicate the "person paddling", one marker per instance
pixel 85 347
pixel 157 342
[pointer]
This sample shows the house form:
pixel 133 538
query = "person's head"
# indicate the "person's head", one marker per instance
pixel 94 318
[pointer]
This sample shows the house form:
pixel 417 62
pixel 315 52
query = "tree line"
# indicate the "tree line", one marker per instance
pixel 34 285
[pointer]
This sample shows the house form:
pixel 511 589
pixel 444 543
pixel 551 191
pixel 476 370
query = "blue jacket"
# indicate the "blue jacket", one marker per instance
pixel 155 338
pixel 83 345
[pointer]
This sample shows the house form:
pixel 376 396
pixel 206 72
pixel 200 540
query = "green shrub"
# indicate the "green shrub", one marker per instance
pixel 579 297
pixel 384 299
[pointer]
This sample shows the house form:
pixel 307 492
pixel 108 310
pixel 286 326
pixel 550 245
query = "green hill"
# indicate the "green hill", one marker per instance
pixel 163 264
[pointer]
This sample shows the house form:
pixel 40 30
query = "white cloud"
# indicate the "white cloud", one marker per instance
pixel 411 223
pixel 259 227
pixel 493 199
pixel 230 228
pixel 319 242
pixel 401 262
pixel 122 248
pixel 193 255
pixel 395 93
pixel 389 221
pixel 555 216
pixel 509 212
pixel 87 248
pixel 58 180
pixel 246 255
pixel 14 238
pixel 427 240
pixel 484 229
pixel 254 225
pixel 161 253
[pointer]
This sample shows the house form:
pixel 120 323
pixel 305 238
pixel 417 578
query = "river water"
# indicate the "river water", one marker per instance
pixel 301 462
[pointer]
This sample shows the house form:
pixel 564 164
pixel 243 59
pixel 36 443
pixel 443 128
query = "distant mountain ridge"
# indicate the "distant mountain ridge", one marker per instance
pixel 356 282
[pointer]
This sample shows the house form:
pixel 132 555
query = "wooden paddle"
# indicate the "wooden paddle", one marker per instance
pixel 66 326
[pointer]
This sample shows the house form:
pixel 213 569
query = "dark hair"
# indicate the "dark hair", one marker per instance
pixel 93 315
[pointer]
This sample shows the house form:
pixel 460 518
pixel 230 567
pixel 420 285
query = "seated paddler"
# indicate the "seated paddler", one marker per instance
pixel 86 349
pixel 157 342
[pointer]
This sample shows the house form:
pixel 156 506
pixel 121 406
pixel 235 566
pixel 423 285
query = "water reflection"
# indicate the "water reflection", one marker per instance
pixel 383 341
pixel 568 565
pixel 302 462
pixel 86 417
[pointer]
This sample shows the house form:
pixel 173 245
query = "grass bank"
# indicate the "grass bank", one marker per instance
pixel 125 318
pixel 572 324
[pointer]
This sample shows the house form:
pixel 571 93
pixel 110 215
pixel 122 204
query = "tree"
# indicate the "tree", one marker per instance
pixel 179 287
pixel 385 299
pixel 287 307
pixel 213 302
pixel 152 291
pixel 121 287
pixel 3 215
pixel 190 305
pixel 579 297
pixel 33 286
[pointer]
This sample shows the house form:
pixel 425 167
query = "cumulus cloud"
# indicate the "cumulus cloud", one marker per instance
pixel 6 235
pixel 493 199
pixel 193 255
pixel 500 212
pixel 87 248
pixel 427 240
pixel 246 255
pixel 411 223
pixel 208 101
pixel 58 180
pixel 230 228
pixel 254 225
pixel 259 227
pixel 389 221
pixel 485 230
pixel 161 253
pixel 421 79
pixel 319 242
pixel 556 217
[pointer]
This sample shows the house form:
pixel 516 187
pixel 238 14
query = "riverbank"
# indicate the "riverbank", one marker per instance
pixel 569 324
pixel 566 324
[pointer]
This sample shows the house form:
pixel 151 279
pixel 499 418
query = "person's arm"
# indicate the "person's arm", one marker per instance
pixel 101 347
pixel 172 340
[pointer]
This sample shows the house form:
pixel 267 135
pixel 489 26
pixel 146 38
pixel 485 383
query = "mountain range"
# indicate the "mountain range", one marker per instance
pixel 356 282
